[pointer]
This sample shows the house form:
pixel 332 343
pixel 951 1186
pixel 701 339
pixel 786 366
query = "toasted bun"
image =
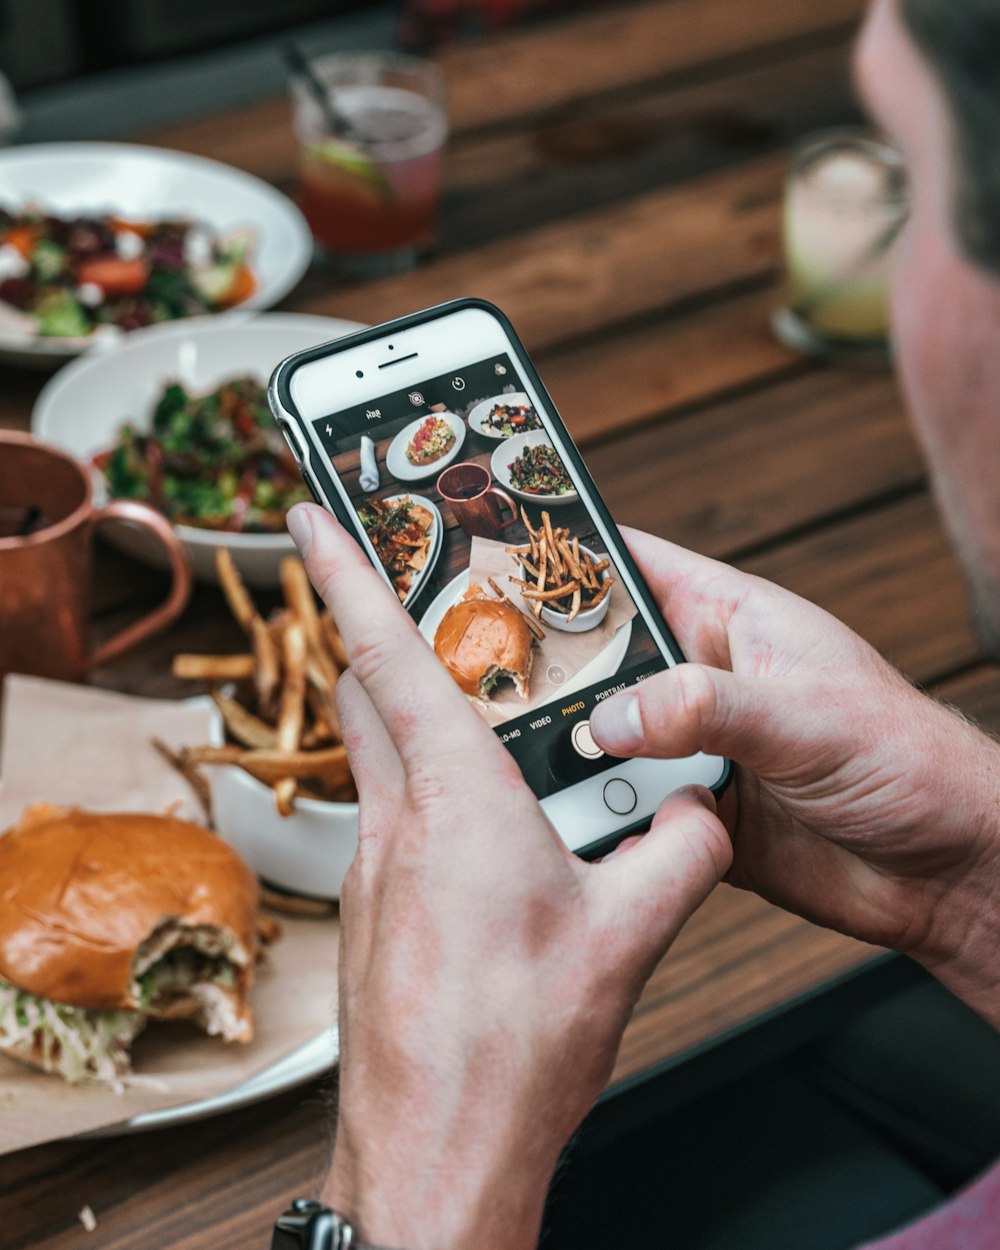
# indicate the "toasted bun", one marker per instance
pixel 82 892
pixel 480 638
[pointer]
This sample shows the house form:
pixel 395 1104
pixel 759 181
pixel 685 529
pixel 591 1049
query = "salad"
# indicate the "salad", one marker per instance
pixel 433 439
pixel 508 419
pixel 216 461
pixel 67 277
pixel 540 471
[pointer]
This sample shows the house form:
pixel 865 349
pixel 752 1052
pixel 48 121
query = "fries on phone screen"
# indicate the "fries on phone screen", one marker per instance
pixel 557 573
pixel 277 704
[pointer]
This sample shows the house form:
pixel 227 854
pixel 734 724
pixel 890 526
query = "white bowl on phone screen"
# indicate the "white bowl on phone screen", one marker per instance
pixel 82 408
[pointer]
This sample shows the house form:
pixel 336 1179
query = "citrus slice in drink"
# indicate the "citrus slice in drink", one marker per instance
pixel 351 169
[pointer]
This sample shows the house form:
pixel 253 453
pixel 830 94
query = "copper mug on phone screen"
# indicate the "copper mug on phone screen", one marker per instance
pixel 476 503
pixel 47 524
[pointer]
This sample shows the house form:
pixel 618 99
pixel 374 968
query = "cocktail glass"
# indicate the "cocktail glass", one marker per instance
pixel 371 190
pixel 845 205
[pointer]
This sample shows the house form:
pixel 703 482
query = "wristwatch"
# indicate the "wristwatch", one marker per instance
pixel 308 1225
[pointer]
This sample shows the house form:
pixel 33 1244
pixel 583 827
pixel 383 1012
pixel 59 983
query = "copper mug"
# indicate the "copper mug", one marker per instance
pixel 47 524
pixel 475 502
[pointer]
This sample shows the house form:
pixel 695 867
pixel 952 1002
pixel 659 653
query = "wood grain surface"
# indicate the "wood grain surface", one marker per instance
pixel 614 183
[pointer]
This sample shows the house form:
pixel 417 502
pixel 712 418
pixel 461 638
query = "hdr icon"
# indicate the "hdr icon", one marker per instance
pixel 373 414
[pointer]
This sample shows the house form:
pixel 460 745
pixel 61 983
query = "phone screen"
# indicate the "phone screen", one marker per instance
pixel 487 540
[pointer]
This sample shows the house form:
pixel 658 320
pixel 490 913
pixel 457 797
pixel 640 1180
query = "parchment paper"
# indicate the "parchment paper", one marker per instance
pixel 560 653
pixel 71 744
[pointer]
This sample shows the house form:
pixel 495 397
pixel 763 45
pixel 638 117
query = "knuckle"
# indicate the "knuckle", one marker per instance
pixel 695 696
pixel 371 658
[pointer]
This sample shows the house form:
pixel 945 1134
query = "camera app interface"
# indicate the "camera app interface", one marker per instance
pixel 491 549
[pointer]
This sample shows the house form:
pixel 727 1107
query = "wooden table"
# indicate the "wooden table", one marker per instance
pixel 614 183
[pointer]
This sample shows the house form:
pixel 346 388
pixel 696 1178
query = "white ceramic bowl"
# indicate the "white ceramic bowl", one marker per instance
pixel 82 408
pixel 308 852
pixel 148 183
pixel 508 452
pixel 583 621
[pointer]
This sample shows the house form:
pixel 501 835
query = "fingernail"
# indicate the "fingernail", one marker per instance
pixel 617 724
pixel 705 797
pixel 299 524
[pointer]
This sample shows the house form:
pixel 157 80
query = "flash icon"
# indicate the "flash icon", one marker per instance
pixel 329 430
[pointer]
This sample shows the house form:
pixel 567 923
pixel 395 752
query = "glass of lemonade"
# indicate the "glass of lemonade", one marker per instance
pixel 371 191
pixel 845 205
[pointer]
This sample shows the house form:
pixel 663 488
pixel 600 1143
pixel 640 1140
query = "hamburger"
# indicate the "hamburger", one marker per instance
pixel 108 921
pixel 481 640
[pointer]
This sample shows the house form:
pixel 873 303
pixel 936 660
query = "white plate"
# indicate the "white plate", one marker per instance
pixel 82 408
pixel 437 541
pixel 152 184
pixel 395 458
pixel 309 1061
pixel 508 452
pixel 481 411
pixel 605 664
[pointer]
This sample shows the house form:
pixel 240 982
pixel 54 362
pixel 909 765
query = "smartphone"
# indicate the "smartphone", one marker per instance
pixel 433 440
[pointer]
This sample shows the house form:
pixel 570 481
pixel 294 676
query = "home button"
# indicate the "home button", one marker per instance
pixel 620 797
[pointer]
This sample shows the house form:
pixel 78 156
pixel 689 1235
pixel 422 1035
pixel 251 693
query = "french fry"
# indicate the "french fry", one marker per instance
pixel 571 563
pixel 574 609
pixel 299 596
pixel 236 593
pixel 212 755
pixel 532 532
pixel 554 592
pixel 188 667
pixel 550 547
pixel 195 779
pixel 295 904
pixel 267 674
pixel 274 767
pixel 530 621
pixel 246 728
pixel 290 718
pixel 605 587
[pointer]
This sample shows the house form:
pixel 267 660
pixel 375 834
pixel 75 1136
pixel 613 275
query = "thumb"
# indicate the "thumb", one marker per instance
pixel 664 876
pixel 764 723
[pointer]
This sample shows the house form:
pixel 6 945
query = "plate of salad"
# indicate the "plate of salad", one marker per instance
pixel 177 416
pixel 100 239
pixel 503 416
pixel 215 460
pixel 530 467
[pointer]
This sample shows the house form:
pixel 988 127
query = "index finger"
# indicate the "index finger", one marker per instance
pixel 424 712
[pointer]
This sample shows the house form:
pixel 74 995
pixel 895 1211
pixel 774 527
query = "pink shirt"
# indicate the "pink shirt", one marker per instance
pixel 970 1221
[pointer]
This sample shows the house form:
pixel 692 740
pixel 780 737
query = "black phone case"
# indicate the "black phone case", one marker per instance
pixel 283 406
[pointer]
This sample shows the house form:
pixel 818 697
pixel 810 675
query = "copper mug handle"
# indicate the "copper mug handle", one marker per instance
pixel 180 571
pixel 496 490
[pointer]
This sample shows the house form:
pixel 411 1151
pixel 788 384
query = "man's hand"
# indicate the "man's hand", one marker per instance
pixel 486 974
pixel 862 804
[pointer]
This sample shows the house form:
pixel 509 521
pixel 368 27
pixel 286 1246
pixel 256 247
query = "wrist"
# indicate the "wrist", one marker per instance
pixel 963 944
pixel 413 1197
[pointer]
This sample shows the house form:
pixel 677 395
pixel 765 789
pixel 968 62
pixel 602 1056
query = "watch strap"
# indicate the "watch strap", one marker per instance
pixel 309 1225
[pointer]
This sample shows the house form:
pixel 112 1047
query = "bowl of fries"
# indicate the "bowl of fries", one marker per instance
pixel 567 585
pixel 279 784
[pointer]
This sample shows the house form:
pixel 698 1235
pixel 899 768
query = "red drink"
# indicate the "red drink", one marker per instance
pixel 375 191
